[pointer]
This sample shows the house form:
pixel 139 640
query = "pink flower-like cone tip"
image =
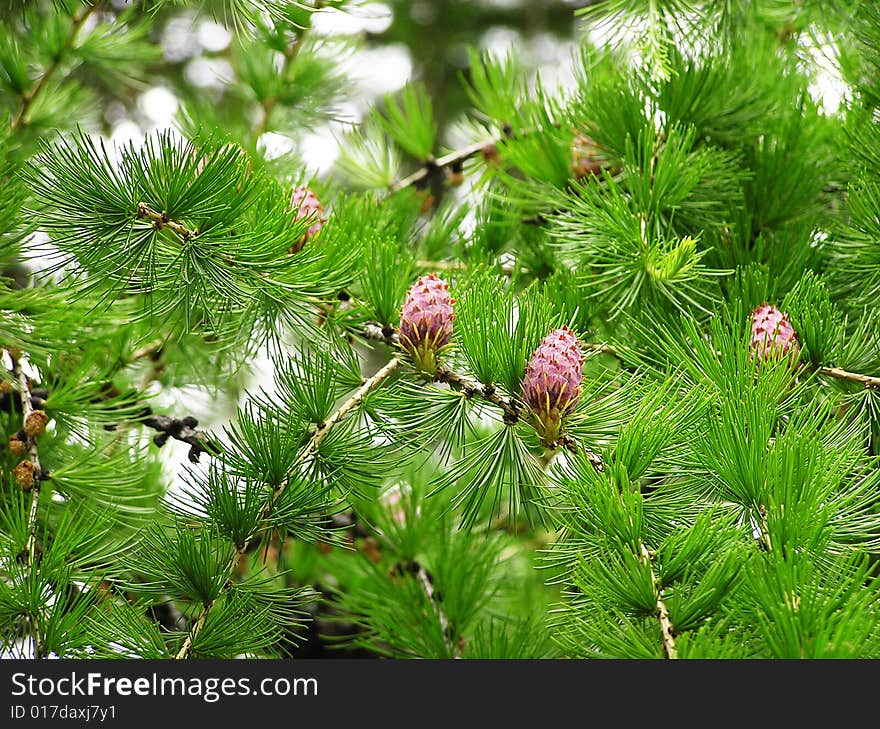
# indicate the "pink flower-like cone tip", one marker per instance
pixel 426 321
pixel 307 205
pixel 586 158
pixel 551 386
pixel 772 333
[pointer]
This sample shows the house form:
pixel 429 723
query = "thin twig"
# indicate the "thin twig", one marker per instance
pixel 428 587
pixel 867 380
pixel 161 220
pixel 24 389
pixel 314 444
pixel 473 388
pixel 268 104
pixel 148 350
pixel 764 529
pixel 666 627
pixel 354 401
pixel 506 269
pixel 29 97
pixel 433 165
pixel 374 331
pixel 196 629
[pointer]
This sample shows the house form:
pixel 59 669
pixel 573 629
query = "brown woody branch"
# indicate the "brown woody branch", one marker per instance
pixel 510 406
pixel 434 165
pixel 31 96
pixel 36 474
pixel 666 627
pixel 312 447
pixel 161 220
pixel 469 386
pixel 868 381
pixel 472 388
pixel 427 585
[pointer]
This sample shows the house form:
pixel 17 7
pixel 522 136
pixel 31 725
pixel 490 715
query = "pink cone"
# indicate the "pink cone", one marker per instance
pixel 585 156
pixel 772 333
pixel 426 321
pixel 307 205
pixel 551 386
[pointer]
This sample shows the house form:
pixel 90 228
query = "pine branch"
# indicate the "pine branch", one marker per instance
pixel 471 388
pixel 195 630
pixel 148 351
pixel 314 444
pixel 434 165
pixel 373 331
pixel 268 104
pixel 161 220
pixel 763 528
pixel 354 401
pixel 868 381
pixel 666 627
pixel 506 270
pixel 510 406
pixel 428 587
pixel 11 401
pixel 31 96
pixel 36 476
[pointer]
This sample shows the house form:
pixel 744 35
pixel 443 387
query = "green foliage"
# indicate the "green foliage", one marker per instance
pixel 410 122
pixel 162 299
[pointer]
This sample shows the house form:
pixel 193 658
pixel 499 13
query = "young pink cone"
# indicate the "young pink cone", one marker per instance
pixel 772 333
pixel 307 205
pixel 551 386
pixel 586 158
pixel 426 321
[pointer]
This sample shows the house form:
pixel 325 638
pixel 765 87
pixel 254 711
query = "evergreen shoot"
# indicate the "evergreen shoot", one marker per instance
pixel 594 374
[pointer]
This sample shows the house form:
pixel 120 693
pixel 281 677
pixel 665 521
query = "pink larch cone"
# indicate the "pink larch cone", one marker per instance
pixel 586 157
pixel 551 386
pixel 426 321
pixel 772 333
pixel 307 205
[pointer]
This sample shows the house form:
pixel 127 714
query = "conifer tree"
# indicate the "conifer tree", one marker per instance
pixel 601 379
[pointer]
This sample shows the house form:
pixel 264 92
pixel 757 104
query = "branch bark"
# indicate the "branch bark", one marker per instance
pixel 868 381
pixel 28 99
pixel 428 588
pixel 161 220
pixel 312 447
pixel 434 165
pixel 34 456
pixel 666 627
pixel 472 388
